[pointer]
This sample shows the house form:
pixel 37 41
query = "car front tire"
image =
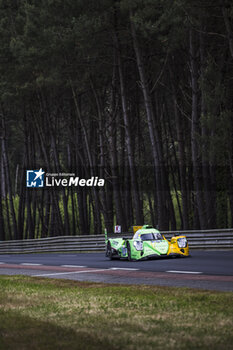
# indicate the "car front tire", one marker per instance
pixel 109 251
pixel 129 251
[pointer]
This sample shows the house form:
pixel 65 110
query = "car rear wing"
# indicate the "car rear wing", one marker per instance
pixel 136 228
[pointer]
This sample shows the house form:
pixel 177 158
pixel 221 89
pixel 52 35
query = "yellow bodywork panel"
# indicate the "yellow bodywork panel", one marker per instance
pixel 175 249
pixel 136 228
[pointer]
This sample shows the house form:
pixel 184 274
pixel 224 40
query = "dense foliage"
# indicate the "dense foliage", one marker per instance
pixel 136 92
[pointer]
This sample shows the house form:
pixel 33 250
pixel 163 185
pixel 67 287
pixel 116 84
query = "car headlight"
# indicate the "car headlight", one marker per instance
pixel 138 245
pixel 182 242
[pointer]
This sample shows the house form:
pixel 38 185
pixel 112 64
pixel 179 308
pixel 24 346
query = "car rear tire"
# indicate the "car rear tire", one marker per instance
pixel 129 251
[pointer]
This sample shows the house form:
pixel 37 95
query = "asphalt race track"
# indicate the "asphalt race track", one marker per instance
pixel 204 269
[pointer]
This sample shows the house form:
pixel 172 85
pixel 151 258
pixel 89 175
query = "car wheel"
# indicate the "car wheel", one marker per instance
pixel 109 251
pixel 129 251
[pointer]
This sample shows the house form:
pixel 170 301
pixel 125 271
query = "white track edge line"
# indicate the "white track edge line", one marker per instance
pixel 67 273
pixel 123 268
pixel 72 266
pixel 188 272
pixel 30 264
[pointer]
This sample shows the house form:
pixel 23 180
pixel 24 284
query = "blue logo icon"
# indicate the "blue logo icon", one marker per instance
pixel 35 178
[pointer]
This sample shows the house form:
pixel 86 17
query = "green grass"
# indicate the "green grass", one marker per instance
pixel 37 313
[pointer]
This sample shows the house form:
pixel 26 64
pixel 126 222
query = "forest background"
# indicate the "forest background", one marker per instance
pixel 139 93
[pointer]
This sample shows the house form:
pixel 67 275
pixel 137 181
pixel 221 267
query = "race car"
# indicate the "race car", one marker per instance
pixel 146 243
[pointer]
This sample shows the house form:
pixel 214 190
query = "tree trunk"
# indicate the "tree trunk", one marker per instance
pixel 21 207
pixel 197 168
pixel 8 179
pixel 154 139
pixel 2 228
pixel 128 139
pixel 181 157
pixel 225 13
pixel 116 185
pixel 208 190
pixel 108 215
pixel 97 205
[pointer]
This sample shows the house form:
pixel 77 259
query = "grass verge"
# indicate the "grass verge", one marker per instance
pixel 37 313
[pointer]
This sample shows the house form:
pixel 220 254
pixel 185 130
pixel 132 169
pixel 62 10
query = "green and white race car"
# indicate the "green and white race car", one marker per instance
pixel 147 242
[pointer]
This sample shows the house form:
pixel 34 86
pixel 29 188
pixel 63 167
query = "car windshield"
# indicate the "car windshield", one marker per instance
pixel 147 237
pixel 151 236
